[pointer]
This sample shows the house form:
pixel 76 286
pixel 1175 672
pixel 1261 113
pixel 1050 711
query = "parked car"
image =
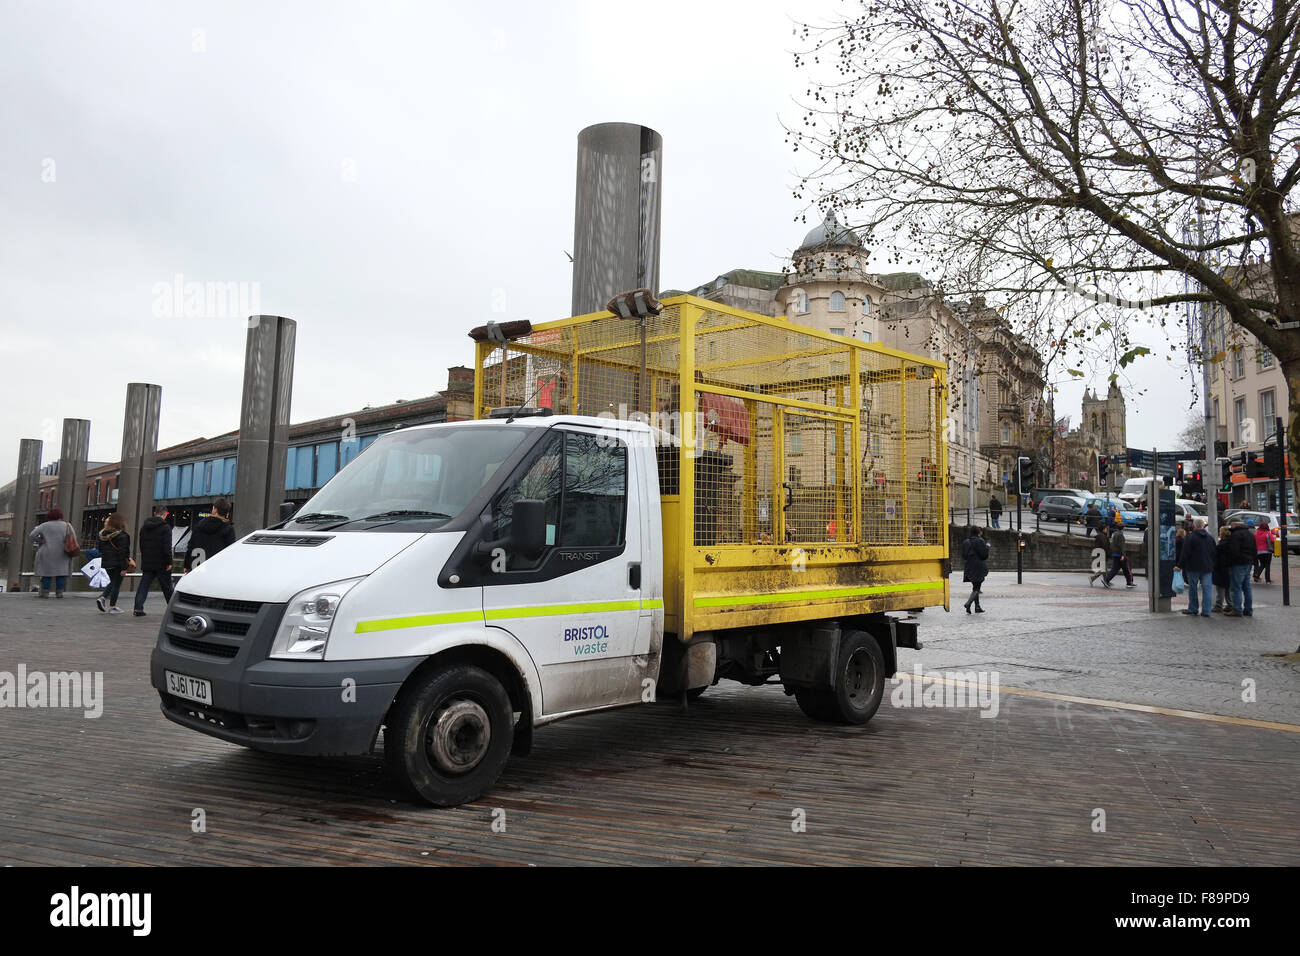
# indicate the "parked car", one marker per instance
pixel 1132 519
pixel 1038 494
pixel 1274 521
pixel 1067 508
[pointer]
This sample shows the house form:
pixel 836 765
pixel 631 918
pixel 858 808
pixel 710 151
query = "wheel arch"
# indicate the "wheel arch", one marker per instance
pixel 514 670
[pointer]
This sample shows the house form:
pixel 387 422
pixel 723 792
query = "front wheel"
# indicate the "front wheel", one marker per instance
pixel 449 734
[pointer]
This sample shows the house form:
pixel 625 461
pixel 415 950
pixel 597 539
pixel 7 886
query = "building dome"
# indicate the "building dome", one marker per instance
pixel 829 233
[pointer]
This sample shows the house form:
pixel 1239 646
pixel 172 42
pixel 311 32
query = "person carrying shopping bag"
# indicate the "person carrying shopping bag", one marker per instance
pixel 115 557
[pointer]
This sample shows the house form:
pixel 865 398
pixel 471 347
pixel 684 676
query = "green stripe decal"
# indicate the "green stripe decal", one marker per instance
pixel 418 620
pixel 503 613
pixel 818 595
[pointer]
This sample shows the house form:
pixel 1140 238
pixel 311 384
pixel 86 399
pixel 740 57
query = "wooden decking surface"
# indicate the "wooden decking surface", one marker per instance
pixel 722 783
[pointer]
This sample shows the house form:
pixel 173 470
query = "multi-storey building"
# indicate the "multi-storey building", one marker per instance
pixel 830 288
pixel 1248 392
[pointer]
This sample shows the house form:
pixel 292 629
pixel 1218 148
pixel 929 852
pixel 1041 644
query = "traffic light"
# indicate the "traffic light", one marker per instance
pixel 1103 470
pixel 1194 483
pixel 1024 475
pixel 1273 462
pixel 1223 468
pixel 1252 467
pixel 1178 473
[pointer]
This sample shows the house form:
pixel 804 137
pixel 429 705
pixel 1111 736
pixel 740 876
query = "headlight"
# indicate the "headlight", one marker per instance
pixel 305 628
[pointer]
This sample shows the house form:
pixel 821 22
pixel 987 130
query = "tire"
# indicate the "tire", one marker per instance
pixel 859 679
pixel 817 704
pixel 448 737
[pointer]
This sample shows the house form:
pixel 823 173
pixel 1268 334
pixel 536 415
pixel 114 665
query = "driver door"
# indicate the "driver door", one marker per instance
pixel 576 607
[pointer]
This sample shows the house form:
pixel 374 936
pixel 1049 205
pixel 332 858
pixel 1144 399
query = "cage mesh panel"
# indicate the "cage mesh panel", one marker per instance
pixel 595 368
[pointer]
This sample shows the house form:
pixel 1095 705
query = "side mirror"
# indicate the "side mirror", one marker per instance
pixel 287 510
pixel 528 527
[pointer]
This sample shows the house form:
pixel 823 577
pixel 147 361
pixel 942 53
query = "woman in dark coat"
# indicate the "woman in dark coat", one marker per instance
pixel 975 554
pixel 115 558
pixel 1222 566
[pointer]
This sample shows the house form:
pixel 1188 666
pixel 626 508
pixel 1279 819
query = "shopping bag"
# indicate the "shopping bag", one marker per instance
pixel 1179 584
pixel 91 567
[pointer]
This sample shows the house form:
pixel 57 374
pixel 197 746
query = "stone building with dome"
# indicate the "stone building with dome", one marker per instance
pixel 829 287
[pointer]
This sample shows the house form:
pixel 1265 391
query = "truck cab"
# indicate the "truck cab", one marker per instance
pixel 477 574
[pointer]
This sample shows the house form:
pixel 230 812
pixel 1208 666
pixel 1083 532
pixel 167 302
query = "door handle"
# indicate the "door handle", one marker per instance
pixel 634 575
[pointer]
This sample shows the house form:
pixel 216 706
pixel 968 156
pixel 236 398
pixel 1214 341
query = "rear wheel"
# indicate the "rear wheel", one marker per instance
pixel 859 679
pixel 448 736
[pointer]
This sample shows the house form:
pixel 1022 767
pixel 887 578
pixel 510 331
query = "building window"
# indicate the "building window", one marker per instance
pixel 1268 412
pixel 1263 358
pixel 1006 434
pixel 837 331
pixel 796 443
pixel 866 305
pixel 864 336
pixel 803 303
pixel 1238 364
pixel 1239 409
pixel 837 301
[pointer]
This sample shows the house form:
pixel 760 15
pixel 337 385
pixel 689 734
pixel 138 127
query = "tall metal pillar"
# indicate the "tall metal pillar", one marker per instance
pixel 616 215
pixel 21 554
pixel 139 456
pixel 72 470
pixel 264 421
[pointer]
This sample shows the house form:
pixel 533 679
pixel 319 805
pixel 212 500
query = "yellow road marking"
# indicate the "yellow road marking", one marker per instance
pixel 1122 705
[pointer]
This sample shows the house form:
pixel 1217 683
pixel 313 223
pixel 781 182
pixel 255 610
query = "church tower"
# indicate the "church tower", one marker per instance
pixel 1104 424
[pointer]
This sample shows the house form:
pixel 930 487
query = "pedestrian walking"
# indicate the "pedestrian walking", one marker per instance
pixel 1264 551
pixel 1101 543
pixel 115 558
pixel 1222 570
pixel 975 554
pixel 1118 559
pixel 995 511
pixel 1196 561
pixel 155 558
pixel 1241 552
pixel 1095 522
pixel 211 533
pixel 53 537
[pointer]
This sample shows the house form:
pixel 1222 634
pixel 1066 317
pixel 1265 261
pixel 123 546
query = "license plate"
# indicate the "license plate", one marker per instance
pixel 191 688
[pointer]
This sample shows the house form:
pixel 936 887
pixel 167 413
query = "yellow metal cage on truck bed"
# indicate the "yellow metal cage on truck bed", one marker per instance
pixel 802 474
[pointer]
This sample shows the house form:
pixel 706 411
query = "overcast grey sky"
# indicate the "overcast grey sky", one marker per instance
pixel 381 172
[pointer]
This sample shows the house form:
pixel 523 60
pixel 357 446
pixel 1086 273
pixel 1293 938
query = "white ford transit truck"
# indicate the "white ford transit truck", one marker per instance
pixel 639 509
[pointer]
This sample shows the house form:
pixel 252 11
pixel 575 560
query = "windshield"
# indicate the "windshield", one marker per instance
pixel 423 474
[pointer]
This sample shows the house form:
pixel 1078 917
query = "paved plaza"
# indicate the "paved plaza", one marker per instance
pixel 741 777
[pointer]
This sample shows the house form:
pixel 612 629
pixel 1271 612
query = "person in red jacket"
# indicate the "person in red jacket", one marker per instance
pixel 1264 536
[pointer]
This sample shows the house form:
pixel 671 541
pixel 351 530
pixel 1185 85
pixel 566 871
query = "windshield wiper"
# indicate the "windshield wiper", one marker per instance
pixel 319 516
pixel 406 514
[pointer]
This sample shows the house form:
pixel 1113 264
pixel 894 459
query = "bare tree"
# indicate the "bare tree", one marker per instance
pixel 1192 434
pixel 1136 156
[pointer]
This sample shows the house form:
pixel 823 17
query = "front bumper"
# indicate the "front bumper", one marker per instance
pixel 299 707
